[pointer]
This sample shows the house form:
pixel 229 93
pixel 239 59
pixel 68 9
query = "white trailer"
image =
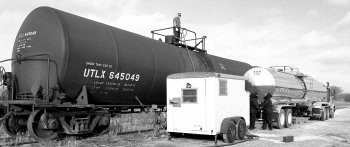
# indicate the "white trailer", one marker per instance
pixel 208 104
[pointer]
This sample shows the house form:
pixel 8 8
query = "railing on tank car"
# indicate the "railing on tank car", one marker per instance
pixel 286 69
pixel 182 40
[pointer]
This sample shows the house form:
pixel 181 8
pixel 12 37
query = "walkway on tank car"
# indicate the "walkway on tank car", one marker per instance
pixel 198 44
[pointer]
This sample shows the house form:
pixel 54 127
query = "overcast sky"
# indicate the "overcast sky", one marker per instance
pixel 312 35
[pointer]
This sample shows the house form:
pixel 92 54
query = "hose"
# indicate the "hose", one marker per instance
pixel 188 52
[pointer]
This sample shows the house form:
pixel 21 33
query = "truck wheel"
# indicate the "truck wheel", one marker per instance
pixel 281 119
pixel 331 114
pixel 241 129
pixel 229 135
pixel 327 113
pixel 288 122
pixel 323 115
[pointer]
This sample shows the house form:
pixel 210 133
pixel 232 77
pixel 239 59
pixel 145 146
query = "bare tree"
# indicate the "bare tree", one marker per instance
pixel 336 91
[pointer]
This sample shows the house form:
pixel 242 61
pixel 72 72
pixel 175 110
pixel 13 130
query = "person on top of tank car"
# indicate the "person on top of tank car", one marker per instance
pixel 176 27
pixel 254 109
pixel 267 111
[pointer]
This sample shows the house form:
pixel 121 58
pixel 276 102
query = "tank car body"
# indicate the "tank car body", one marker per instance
pixel 67 71
pixel 114 64
pixel 292 92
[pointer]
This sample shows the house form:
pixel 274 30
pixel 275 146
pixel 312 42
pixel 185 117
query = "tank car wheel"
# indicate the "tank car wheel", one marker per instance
pixel 241 129
pixel 327 113
pixel 13 125
pixel 229 135
pixel 36 127
pixel 288 117
pixel 281 119
pixel 102 126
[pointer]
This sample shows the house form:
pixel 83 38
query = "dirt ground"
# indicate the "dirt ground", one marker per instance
pixel 333 132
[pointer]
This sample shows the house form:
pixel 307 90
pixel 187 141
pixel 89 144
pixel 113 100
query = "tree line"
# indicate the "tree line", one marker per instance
pixel 339 94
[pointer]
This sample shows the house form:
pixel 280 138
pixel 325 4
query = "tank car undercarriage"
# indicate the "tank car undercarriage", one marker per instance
pixel 46 118
pixel 46 123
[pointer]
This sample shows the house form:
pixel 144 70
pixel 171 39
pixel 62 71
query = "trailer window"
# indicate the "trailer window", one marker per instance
pixel 189 95
pixel 223 87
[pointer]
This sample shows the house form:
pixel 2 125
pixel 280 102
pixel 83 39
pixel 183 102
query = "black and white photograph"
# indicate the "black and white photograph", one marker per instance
pixel 175 73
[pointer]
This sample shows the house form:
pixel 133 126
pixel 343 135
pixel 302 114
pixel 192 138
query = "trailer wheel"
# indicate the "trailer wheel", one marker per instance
pixel 281 119
pixel 288 119
pixel 241 129
pixel 323 115
pixel 229 135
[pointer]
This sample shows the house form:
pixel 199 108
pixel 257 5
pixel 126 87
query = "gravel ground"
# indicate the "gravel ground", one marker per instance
pixel 333 132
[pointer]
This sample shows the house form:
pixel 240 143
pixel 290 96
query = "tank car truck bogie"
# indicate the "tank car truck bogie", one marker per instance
pixel 47 123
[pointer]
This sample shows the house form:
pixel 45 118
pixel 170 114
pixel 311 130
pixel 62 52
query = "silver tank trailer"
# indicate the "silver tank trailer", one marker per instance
pixel 285 84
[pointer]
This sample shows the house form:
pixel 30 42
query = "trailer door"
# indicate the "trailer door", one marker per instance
pixel 190 114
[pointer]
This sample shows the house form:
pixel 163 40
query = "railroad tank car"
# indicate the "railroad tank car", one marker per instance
pixel 114 64
pixel 68 72
pixel 292 92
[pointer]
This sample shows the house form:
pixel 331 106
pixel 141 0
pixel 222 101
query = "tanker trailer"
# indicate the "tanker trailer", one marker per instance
pixel 294 94
pixel 69 72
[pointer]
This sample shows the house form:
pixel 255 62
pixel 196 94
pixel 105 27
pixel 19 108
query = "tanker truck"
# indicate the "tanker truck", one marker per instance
pixel 294 94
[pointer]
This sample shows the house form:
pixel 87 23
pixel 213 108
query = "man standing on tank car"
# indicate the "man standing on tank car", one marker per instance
pixel 267 111
pixel 176 27
pixel 254 109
